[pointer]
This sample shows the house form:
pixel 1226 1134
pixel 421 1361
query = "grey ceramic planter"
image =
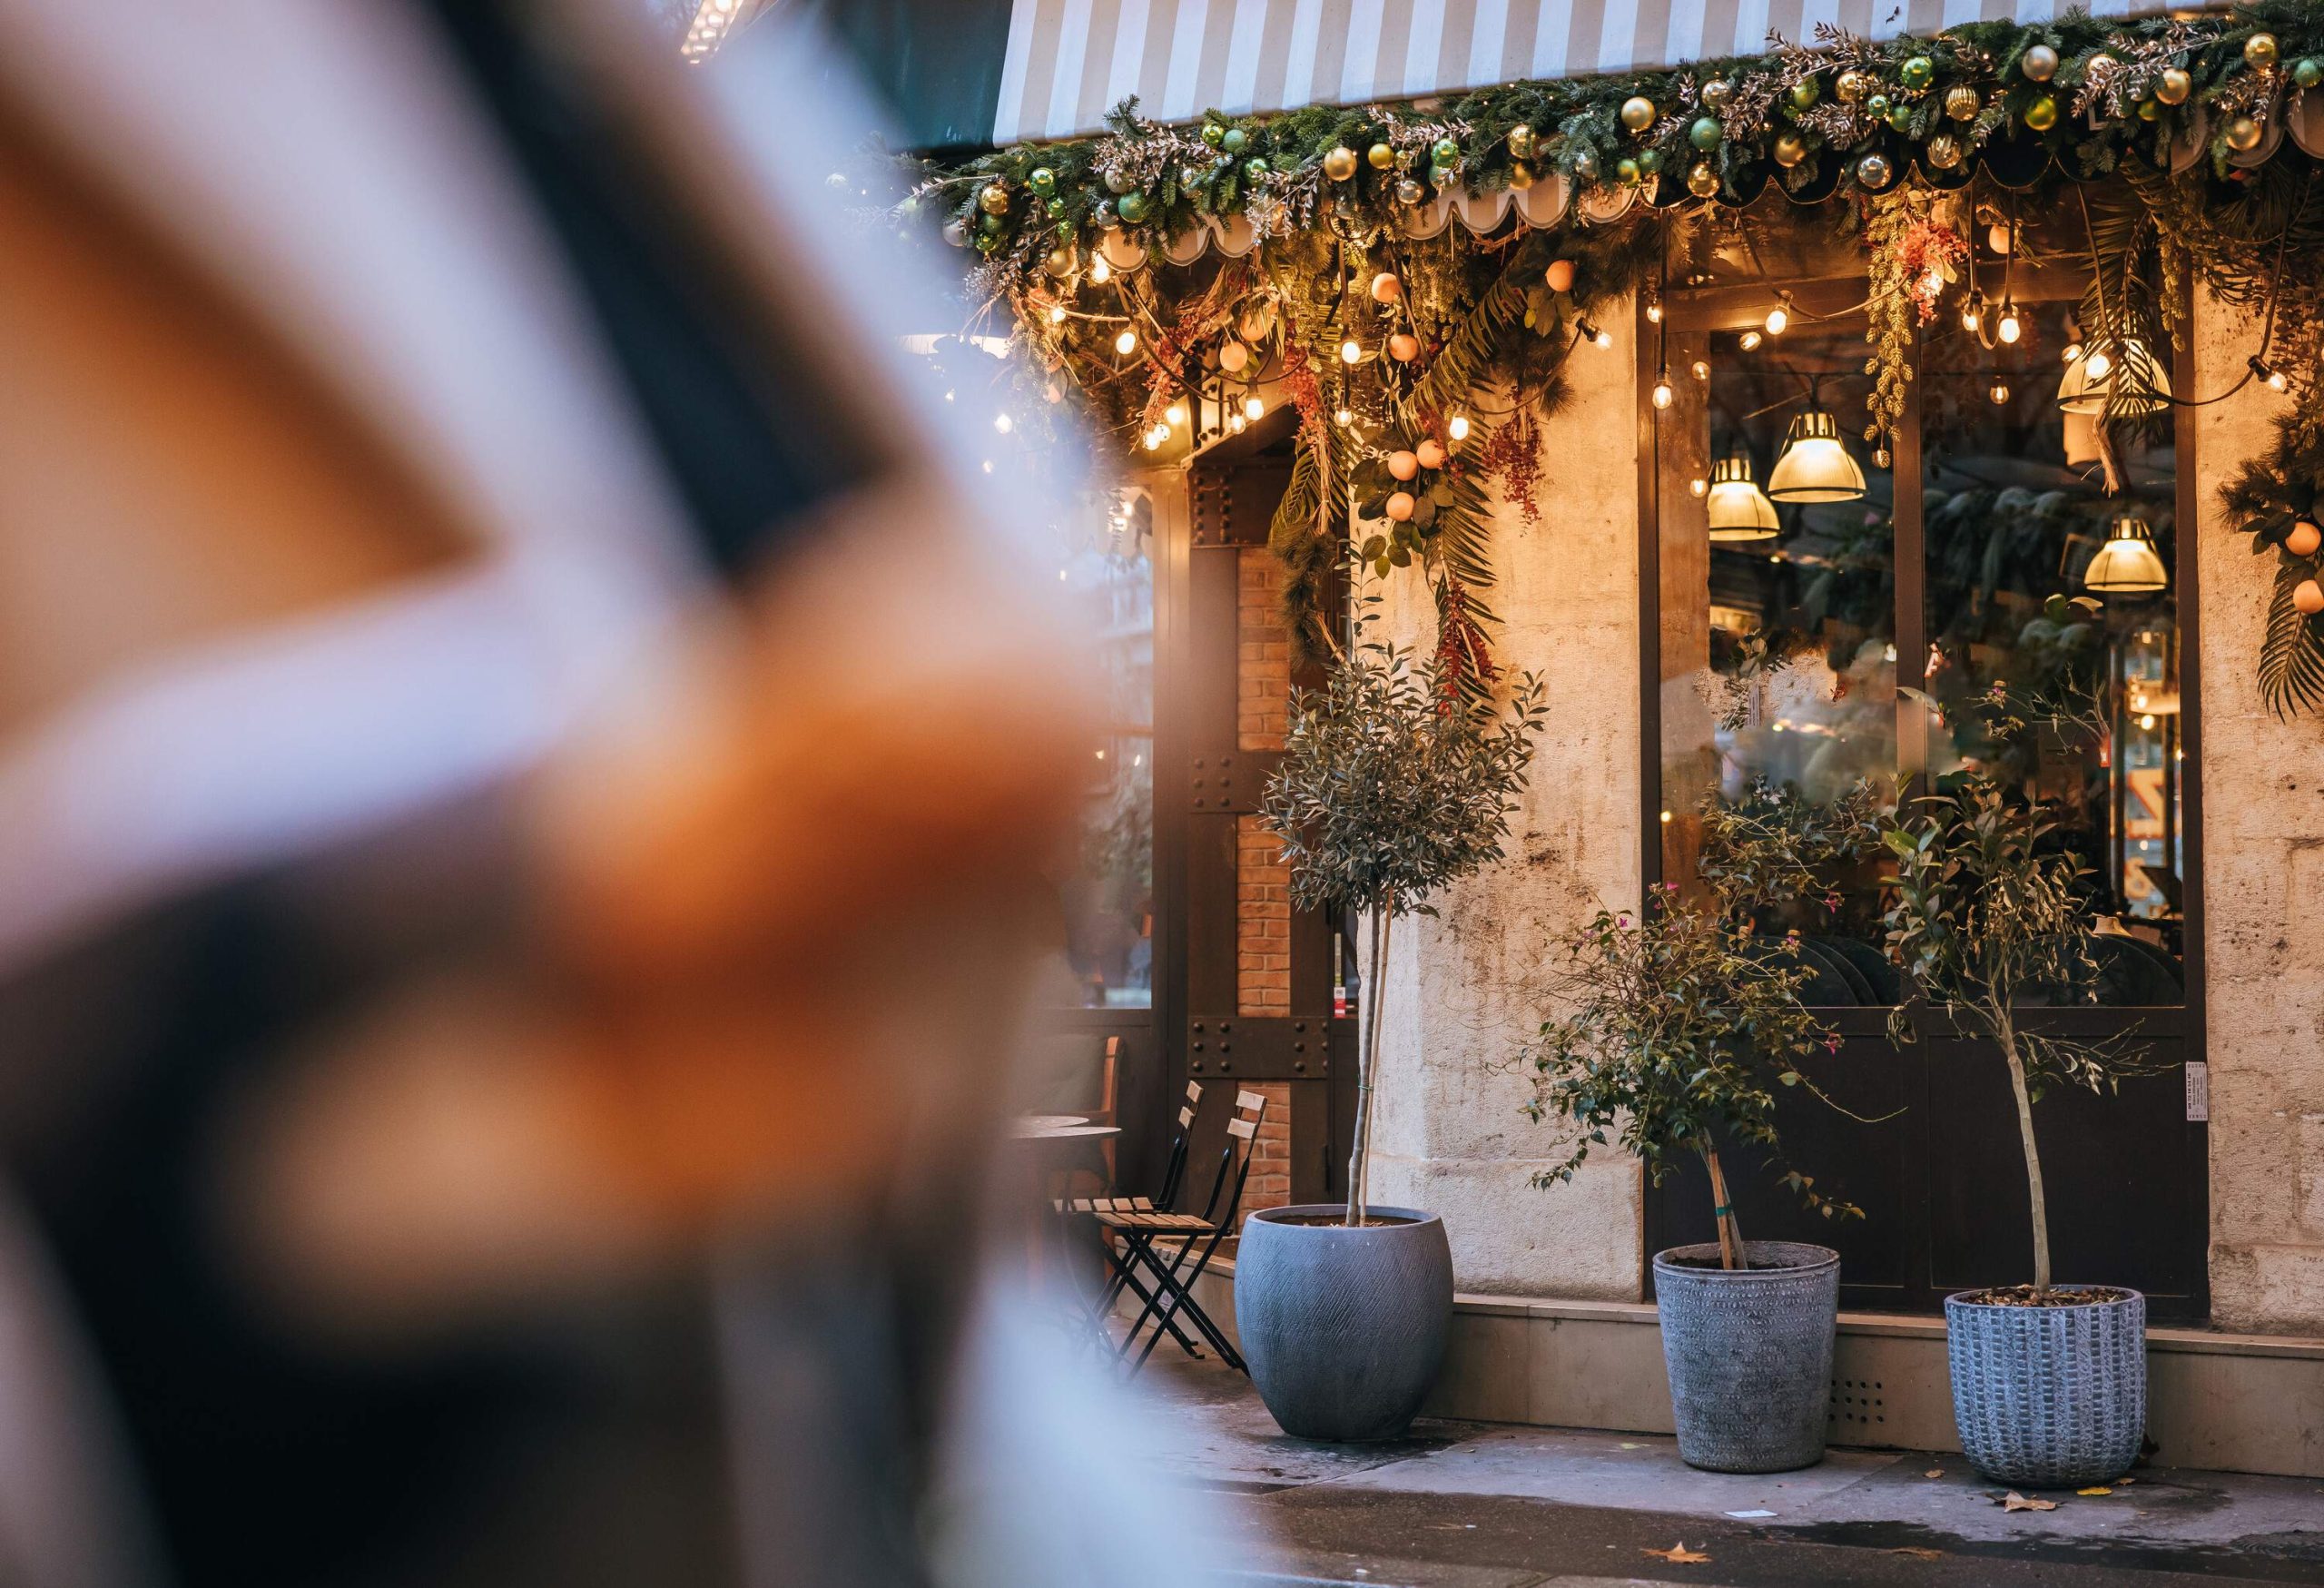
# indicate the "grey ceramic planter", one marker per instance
pixel 2049 1397
pixel 1344 1329
pixel 1749 1354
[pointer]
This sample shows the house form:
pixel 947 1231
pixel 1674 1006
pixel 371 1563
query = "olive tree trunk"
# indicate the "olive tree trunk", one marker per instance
pixel 2006 1033
pixel 1368 1062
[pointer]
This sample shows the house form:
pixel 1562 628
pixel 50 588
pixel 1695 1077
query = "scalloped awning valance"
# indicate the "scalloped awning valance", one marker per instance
pixel 1071 61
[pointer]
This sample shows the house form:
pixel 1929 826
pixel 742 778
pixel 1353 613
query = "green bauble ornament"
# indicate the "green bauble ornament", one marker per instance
pixel 2261 50
pixel 2039 62
pixel 1131 207
pixel 1853 85
pixel 1874 172
pixel 1790 149
pixel 1944 152
pixel 1637 113
pixel 1191 177
pixel 2174 85
pixel 1705 133
pixel 1234 141
pixel 1520 142
pixel 1701 179
pixel 1962 103
pixel 1650 160
pixel 1041 180
pixel 1875 104
pixel 1055 208
pixel 1716 93
pixel 1446 153
pixel 987 244
pixel 1213 133
pixel 1804 93
pixel 1118 181
pixel 994 200
pixel 2041 114
pixel 1255 168
pixel 2309 73
pixel 2149 110
pixel 1917 73
pixel 1380 157
pixel 989 225
pixel 1625 170
pixel 1900 116
pixel 1065 230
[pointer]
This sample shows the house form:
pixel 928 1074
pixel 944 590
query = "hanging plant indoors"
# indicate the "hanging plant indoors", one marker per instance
pixel 1393 325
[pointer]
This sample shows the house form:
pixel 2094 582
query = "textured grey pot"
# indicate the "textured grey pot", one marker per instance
pixel 2049 1397
pixel 1749 1354
pixel 1344 1329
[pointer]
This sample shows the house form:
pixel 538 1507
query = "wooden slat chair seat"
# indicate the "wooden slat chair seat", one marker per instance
pixel 1166 1279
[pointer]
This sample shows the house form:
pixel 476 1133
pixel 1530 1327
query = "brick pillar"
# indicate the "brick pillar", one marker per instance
pixel 1263 883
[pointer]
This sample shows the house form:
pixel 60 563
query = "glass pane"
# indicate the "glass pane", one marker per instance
pixel 1107 895
pixel 1777 596
pixel 2019 529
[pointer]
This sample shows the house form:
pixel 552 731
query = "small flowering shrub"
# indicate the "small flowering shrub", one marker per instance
pixel 1680 1029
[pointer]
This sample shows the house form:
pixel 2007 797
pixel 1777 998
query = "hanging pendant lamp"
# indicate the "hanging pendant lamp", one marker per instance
pixel 2128 564
pixel 2092 373
pixel 1816 466
pixel 1738 509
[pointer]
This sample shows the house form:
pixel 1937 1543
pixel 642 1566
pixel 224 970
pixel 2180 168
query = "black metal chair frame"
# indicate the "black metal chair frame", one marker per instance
pixel 1172 1292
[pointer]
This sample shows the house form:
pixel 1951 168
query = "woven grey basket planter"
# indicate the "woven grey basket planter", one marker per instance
pixel 1749 1354
pixel 2049 1397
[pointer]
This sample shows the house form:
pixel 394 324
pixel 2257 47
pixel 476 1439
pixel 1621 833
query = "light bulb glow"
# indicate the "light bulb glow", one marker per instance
pixel 1153 440
pixel 2099 365
pixel 1604 338
pixel 1125 343
pixel 1057 314
pixel 1176 414
pixel 1254 409
pixel 1350 352
pixel 1663 395
pixel 1237 424
pixel 1099 270
pixel 1699 487
pixel 1970 320
pixel 1748 341
pixel 1778 319
pixel 1999 393
pixel 1654 314
pixel 1343 418
pixel 2011 327
pixel 1457 426
pixel 2147 722
pixel 1701 368
pixel 1003 423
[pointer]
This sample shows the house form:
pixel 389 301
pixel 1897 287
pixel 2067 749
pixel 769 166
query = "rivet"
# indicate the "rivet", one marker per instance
pixel 1299 1025
pixel 1198 762
pixel 1300 1065
pixel 1198 781
pixel 1197 1025
pixel 1299 1047
pixel 1225 1067
pixel 1198 1047
pixel 1227 1047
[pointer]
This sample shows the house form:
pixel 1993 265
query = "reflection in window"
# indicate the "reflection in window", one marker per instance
pixel 1108 896
pixel 1779 638
pixel 2050 603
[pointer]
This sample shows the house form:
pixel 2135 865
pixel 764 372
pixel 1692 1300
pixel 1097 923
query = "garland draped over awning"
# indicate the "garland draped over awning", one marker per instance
pixel 1070 62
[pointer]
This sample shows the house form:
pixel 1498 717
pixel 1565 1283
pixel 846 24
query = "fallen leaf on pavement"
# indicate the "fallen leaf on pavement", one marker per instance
pixel 1935 1471
pixel 1917 1553
pixel 2124 1483
pixel 1626 1445
pixel 1678 1554
pixel 2017 1502
pixel 2096 1490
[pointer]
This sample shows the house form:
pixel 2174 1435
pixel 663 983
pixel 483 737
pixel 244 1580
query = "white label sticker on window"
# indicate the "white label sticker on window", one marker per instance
pixel 2198 1092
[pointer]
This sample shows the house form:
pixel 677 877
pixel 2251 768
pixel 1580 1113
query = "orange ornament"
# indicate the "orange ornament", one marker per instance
pixel 1402 465
pixel 2304 538
pixel 1560 275
pixel 1386 288
pixel 2308 595
pixel 1404 347
pixel 1400 507
pixel 1233 356
pixel 1431 455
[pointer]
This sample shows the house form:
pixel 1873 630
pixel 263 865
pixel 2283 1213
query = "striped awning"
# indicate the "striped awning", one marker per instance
pixel 1071 61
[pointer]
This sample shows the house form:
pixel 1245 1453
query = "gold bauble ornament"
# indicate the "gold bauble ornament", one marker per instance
pixel 1520 176
pixel 1339 163
pixel 1790 149
pixel 1637 113
pixel 1409 192
pixel 2039 62
pixel 1853 86
pixel 2041 114
pixel 1962 103
pixel 1944 152
pixel 1520 142
pixel 1381 156
pixel 2261 50
pixel 2243 134
pixel 1701 179
pixel 994 200
pixel 2173 85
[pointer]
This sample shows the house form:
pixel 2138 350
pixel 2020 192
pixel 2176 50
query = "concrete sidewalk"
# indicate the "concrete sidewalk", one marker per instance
pixel 1483 1505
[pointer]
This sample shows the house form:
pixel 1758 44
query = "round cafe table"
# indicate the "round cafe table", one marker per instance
pixel 1046 1144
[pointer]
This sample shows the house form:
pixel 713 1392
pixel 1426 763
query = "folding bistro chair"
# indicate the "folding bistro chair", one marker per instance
pixel 1172 1280
pixel 1083 1181
pixel 1120 1275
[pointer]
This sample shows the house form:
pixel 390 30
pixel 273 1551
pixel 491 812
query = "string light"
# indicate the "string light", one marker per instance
pixel 2268 374
pixel 1457 426
pixel 1701 368
pixel 1176 414
pixel 1973 313
pixel 1100 271
pixel 1663 393
pixel 1236 424
pixel 1749 340
pixel 1254 408
pixel 1779 317
pixel 2098 365
pixel 1127 343
pixel 1154 440
pixel 1350 352
pixel 1999 391
pixel 1343 418
pixel 1057 314
pixel 2011 327
pixel 1699 487
pixel 1594 333
pixel 1654 313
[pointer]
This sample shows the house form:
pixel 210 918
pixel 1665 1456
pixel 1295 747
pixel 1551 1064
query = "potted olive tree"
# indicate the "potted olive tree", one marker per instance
pixel 1680 1028
pixel 1392 784
pixel 2049 1381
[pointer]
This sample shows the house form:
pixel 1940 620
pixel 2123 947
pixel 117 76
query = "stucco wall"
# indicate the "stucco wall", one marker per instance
pixel 2263 899
pixel 1449 1133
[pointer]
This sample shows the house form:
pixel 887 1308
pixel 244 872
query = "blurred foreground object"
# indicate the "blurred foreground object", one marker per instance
pixel 499 679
